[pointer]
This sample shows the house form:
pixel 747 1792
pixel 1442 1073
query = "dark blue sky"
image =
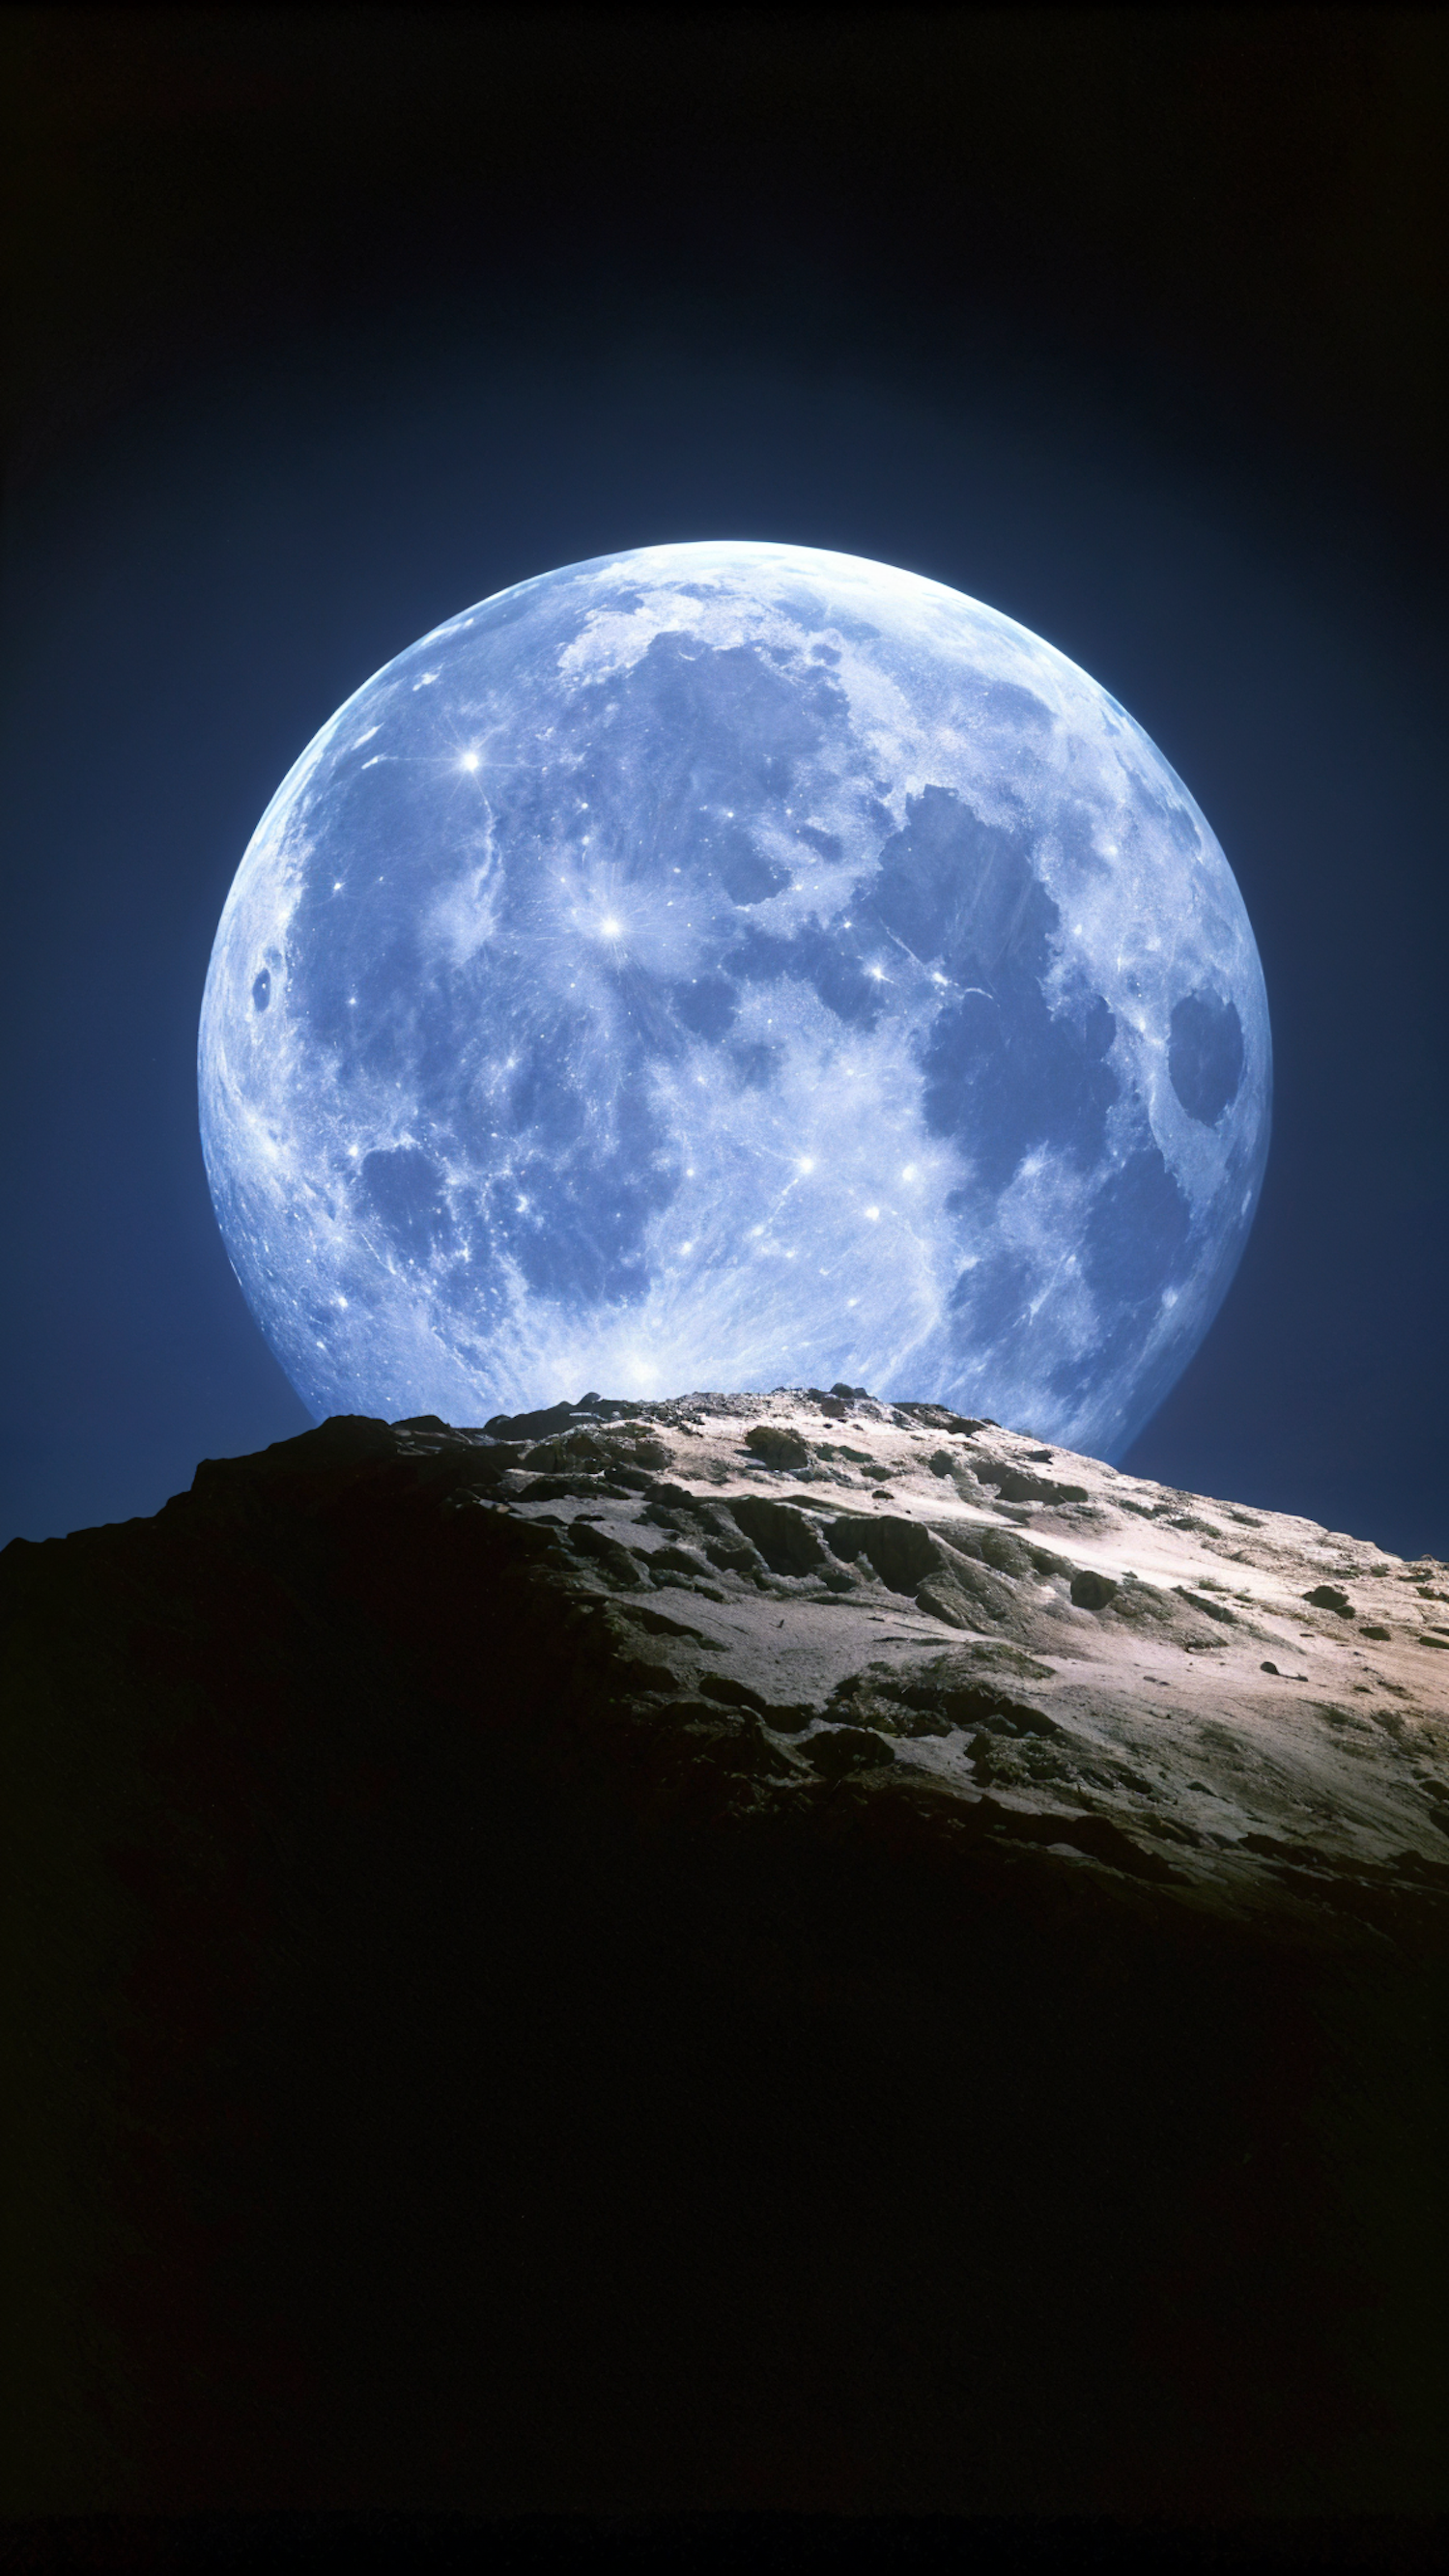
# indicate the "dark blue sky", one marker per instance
pixel 332 325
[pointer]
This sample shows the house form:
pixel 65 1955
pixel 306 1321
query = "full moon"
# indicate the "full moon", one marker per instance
pixel 735 965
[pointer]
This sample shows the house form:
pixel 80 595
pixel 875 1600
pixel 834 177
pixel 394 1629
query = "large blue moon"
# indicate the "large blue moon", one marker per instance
pixel 735 965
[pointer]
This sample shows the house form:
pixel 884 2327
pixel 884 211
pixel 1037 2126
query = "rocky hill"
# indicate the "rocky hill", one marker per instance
pixel 763 1952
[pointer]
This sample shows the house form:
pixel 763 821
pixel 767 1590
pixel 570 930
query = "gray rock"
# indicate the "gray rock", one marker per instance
pixel 966 1596
pixel 1092 1591
pixel 1015 1486
pixel 609 1554
pixel 776 1448
pixel 786 1538
pixel 902 1552
pixel 838 1749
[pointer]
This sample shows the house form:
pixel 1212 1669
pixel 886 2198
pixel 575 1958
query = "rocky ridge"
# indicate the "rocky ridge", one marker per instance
pixel 1238 1703
pixel 760 1952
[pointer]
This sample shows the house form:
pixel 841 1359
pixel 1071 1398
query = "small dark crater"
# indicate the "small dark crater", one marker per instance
pixel 1205 1055
pixel 261 990
pixel 756 1064
pixel 746 874
pixel 1326 1596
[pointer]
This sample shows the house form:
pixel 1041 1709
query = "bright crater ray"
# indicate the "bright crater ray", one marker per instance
pixel 736 965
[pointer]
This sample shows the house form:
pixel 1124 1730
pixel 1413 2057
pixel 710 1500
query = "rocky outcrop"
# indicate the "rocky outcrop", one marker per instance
pixel 756 1951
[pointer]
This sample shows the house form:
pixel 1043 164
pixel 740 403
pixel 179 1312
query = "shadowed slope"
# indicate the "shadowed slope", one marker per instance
pixel 674 1957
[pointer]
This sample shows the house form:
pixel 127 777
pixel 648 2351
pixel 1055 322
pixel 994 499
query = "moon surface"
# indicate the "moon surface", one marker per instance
pixel 735 965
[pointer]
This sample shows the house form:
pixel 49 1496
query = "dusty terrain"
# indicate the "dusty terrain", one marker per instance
pixel 1249 1700
pixel 761 1953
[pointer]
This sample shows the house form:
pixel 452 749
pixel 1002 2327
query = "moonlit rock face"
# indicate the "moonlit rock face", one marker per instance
pixel 742 965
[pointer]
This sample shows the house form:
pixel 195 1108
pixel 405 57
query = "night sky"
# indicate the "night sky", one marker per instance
pixel 329 324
